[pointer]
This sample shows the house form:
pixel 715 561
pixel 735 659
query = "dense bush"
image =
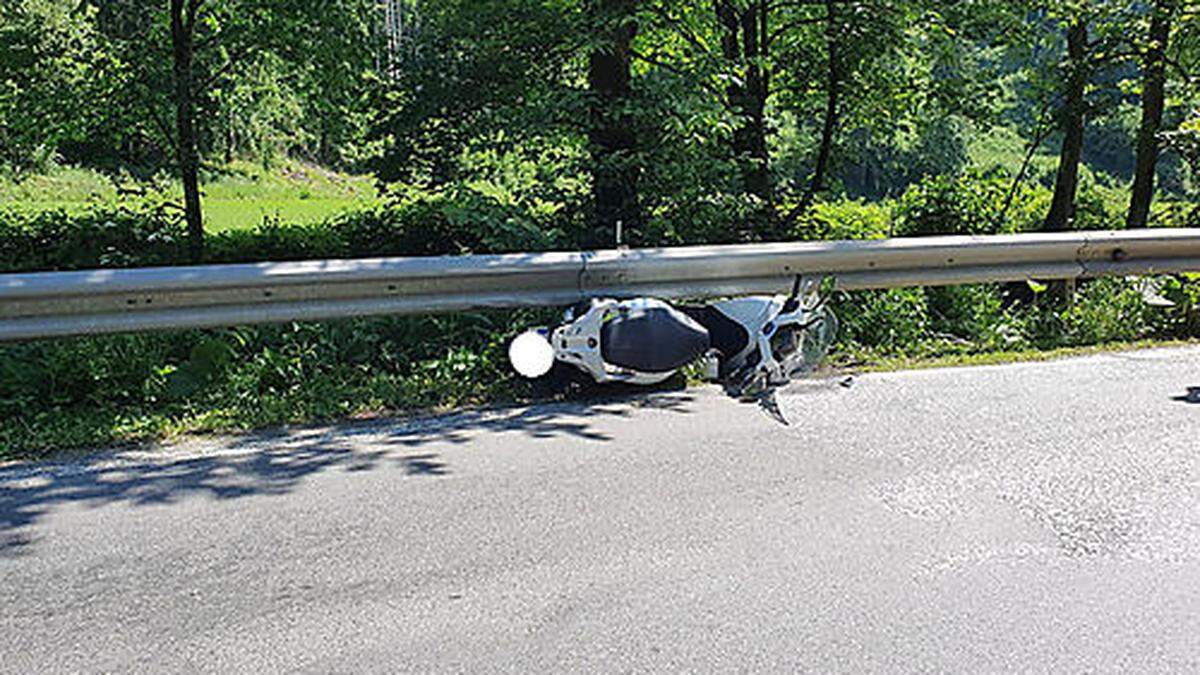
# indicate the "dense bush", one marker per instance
pixel 74 392
pixel 117 237
pixel 699 218
pixel 845 220
pixel 418 224
pixel 886 320
pixel 972 315
pixel 953 205
pixel 273 240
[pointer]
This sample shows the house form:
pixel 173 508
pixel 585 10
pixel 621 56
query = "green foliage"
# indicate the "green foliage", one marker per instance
pixel 1099 207
pixel 845 220
pixel 49 55
pixel 115 237
pixel 1105 310
pixel 96 391
pixel 480 121
pixel 92 81
pixel 93 391
pixel 954 205
pixel 1186 142
pixel 973 316
pixel 472 70
pixel 886 320
pixel 447 223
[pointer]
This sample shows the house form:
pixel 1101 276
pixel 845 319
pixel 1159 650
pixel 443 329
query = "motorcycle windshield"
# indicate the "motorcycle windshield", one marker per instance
pixel 799 350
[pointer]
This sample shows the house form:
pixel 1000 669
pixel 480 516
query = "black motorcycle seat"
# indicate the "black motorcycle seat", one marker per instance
pixel 654 339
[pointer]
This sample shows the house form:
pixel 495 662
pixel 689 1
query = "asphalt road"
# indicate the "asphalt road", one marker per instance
pixel 1037 517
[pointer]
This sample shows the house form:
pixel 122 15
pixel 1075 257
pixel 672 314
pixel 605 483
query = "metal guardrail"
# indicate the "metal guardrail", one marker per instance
pixel 51 304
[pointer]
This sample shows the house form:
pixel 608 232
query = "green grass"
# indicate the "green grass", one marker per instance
pixel 237 214
pixel 62 185
pixel 239 196
pixel 864 363
pixel 1002 147
pixel 342 396
pixel 996 147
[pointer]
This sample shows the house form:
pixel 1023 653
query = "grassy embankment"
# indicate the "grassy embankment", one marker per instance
pixel 241 196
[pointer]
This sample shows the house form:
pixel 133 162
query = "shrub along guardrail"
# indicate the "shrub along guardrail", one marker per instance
pixel 50 304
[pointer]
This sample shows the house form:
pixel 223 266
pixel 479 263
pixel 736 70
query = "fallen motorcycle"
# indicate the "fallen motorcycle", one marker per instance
pixel 753 345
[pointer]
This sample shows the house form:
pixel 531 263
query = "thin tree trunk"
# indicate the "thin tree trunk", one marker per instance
pixel 611 135
pixel 754 128
pixel 325 147
pixel 833 87
pixel 229 141
pixel 1154 67
pixel 1012 189
pixel 186 149
pixel 743 43
pixel 1062 208
pixel 735 93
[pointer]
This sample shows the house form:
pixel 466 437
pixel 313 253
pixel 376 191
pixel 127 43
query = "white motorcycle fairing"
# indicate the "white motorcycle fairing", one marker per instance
pixel 639 341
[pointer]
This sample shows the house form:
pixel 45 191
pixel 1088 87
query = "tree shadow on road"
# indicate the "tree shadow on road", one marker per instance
pixel 276 462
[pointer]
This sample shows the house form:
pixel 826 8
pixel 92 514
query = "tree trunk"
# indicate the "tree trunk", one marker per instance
pixel 1034 144
pixel 754 126
pixel 611 135
pixel 1154 67
pixel 743 45
pixel 833 87
pixel 229 138
pixel 188 155
pixel 1062 208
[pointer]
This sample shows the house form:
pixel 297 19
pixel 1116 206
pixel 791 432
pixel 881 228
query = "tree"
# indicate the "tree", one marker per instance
pixel 55 74
pixel 1154 77
pixel 184 61
pixel 476 70
pixel 740 54
pixel 844 59
pixel 890 85
pixel 833 87
pixel 1186 141
pixel 611 135
pixel 1072 117
pixel 183 33
pixel 1097 42
pixel 746 45
pixel 326 54
pixel 735 51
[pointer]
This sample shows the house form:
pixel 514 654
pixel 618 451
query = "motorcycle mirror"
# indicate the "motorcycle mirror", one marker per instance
pixel 793 299
pixel 531 354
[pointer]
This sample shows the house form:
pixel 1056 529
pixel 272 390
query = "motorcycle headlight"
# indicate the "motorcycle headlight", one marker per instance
pixel 799 349
pixel 819 336
pixel 785 347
